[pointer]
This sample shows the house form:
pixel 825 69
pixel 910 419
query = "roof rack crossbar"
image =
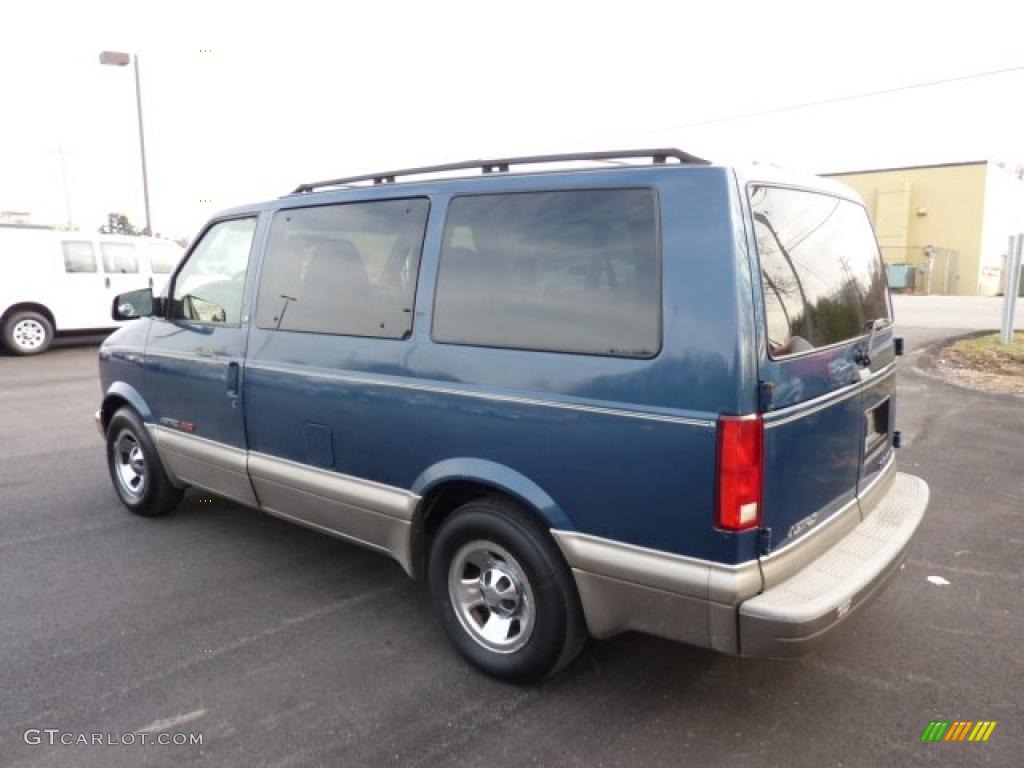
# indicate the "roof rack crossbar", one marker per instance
pixel 502 165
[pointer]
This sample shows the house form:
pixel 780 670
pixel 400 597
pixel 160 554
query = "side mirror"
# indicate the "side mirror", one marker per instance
pixel 128 306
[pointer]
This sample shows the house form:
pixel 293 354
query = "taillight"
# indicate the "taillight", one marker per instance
pixel 740 453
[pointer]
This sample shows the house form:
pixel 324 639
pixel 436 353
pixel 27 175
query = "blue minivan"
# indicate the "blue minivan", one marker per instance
pixel 577 394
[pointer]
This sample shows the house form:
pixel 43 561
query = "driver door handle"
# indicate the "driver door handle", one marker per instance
pixel 232 380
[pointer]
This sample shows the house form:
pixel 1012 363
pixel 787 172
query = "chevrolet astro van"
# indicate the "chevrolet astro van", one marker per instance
pixel 578 395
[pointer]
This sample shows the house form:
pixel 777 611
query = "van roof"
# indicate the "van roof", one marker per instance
pixel 767 173
pixel 566 163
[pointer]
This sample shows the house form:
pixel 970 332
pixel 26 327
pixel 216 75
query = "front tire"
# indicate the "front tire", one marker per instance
pixel 503 593
pixel 139 478
pixel 27 333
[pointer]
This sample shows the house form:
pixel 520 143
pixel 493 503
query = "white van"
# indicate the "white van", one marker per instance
pixel 53 282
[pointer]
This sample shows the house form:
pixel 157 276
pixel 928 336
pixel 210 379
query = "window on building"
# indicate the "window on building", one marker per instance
pixel 79 256
pixel 563 271
pixel 347 269
pixel 821 271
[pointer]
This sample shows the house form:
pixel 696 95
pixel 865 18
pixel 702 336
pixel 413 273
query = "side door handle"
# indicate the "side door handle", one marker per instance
pixel 233 381
pixel 106 281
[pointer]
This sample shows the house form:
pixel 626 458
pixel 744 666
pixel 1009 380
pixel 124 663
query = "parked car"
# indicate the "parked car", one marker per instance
pixel 53 282
pixel 653 397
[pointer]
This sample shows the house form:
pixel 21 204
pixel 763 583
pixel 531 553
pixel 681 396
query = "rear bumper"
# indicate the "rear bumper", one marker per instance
pixel 780 606
pixel 794 616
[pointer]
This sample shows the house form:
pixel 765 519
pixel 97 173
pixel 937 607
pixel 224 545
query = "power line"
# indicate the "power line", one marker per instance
pixel 822 102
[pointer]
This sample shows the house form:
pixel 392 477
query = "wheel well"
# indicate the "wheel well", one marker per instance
pixel 109 408
pixel 439 502
pixel 28 306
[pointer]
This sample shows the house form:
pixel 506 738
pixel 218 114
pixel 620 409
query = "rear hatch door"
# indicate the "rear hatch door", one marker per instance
pixel 825 303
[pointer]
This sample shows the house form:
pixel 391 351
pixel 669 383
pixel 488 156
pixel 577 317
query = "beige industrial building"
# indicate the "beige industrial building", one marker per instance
pixel 943 229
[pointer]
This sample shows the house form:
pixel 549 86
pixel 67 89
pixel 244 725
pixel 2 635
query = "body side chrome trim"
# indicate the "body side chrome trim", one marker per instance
pixel 799 410
pixel 324 529
pixel 624 587
pixel 356 524
pixel 362 511
pixel 113 349
pixel 204 463
pixel 680 574
pixel 192 357
pixel 497 397
pixel 336 486
pixel 611 606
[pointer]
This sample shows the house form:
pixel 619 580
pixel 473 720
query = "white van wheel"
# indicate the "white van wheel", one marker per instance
pixel 27 333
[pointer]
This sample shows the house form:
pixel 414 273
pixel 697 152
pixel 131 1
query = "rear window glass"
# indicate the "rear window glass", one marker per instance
pixel 119 258
pixel 821 271
pixel 79 256
pixel 345 269
pixel 567 271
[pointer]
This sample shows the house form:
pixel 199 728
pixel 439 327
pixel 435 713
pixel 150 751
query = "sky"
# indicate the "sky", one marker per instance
pixel 243 101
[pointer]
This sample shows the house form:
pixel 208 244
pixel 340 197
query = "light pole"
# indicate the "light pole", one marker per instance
pixel 119 59
pixel 64 178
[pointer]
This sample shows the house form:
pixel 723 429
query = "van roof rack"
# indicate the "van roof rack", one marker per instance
pixel 502 165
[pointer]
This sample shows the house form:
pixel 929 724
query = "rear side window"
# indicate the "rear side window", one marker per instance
pixel 567 271
pixel 821 271
pixel 346 269
pixel 119 258
pixel 79 256
pixel 164 258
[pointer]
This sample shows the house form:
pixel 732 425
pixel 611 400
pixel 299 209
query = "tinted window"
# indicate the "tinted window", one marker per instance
pixel 79 256
pixel 574 271
pixel 119 258
pixel 346 269
pixel 208 288
pixel 163 258
pixel 821 271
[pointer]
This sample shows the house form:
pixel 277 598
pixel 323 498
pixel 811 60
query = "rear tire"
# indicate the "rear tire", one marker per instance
pixel 503 593
pixel 139 478
pixel 27 333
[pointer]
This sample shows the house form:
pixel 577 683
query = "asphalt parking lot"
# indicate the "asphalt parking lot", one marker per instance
pixel 284 647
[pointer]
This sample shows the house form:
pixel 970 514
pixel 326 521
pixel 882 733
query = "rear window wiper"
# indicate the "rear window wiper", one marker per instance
pixel 863 357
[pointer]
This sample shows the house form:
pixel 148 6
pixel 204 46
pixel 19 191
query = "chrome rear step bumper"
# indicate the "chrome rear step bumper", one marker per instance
pixel 793 616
